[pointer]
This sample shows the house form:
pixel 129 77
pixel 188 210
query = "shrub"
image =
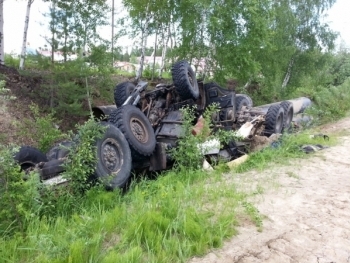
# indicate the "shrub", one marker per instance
pixel 329 103
pixel 187 154
pixel 19 197
pixel 82 157
pixel 4 96
pixel 43 129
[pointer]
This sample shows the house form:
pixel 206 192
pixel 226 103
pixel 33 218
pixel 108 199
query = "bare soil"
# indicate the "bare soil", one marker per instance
pixel 305 206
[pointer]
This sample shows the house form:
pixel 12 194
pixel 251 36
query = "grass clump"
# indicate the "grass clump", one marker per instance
pixel 169 219
pixel 165 220
pixel 288 147
pixel 19 198
pixel 184 212
pixel 43 129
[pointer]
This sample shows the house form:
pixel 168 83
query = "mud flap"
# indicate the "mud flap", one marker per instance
pixel 158 159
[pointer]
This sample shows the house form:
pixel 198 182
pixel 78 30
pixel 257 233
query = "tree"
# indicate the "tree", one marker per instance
pixel 52 41
pixel 141 18
pixel 112 38
pixel 64 21
pixel 2 53
pixel 74 25
pixel 24 43
pixel 148 17
pixel 297 35
pixel 87 16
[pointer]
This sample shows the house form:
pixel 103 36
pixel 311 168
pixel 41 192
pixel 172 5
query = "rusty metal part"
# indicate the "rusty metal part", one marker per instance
pixel 202 100
pixel 170 128
pixel 102 112
pixel 111 156
pixel 168 100
pixel 139 130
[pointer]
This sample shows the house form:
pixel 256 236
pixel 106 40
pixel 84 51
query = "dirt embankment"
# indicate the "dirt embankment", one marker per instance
pixel 306 210
pixel 25 89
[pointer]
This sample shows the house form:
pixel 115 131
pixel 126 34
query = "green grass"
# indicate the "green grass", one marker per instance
pixel 290 148
pixel 165 220
pixel 180 214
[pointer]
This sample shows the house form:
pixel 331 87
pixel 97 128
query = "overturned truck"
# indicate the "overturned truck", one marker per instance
pixel 144 124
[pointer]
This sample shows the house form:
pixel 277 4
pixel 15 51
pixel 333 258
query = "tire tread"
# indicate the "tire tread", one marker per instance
pixel 179 72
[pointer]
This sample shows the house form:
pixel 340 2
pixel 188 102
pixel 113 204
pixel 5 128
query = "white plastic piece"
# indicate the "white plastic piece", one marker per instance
pixel 245 130
pixel 238 161
pixel 207 166
pixel 57 180
pixel 210 147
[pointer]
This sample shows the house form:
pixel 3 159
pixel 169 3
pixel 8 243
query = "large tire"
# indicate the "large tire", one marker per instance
pixel 122 92
pixel 247 97
pixel 136 128
pixel 185 80
pixel 28 156
pixel 59 151
pixel 241 101
pixel 51 169
pixel 274 120
pixel 211 85
pixel 113 158
pixel 288 115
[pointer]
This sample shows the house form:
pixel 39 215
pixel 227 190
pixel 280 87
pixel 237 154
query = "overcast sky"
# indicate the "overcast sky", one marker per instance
pixel 14 14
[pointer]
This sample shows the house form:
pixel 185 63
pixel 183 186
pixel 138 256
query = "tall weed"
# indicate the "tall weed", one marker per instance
pixel 329 103
pixel 43 130
pixel 19 197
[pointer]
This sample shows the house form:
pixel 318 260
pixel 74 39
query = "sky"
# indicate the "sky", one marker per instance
pixel 14 15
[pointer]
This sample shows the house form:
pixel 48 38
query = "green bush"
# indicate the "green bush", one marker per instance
pixel 329 103
pixel 187 154
pixel 12 60
pixel 79 170
pixel 4 93
pixel 43 130
pixel 19 197
pixel 82 160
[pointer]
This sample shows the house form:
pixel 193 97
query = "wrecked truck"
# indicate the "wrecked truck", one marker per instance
pixel 144 124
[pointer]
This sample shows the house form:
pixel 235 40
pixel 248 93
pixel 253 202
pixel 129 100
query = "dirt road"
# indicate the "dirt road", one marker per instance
pixel 306 209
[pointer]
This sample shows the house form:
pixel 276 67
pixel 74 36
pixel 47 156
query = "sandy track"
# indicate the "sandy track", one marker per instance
pixel 306 206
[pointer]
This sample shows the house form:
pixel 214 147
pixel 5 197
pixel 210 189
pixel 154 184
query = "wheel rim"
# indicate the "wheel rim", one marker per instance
pixel 139 130
pixel 112 157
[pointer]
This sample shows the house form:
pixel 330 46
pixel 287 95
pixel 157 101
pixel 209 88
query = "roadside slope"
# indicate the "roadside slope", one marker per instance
pixel 306 209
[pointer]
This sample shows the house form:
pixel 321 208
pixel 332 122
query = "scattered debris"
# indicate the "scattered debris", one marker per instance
pixel 207 166
pixel 210 147
pixel 259 142
pixel 325 137
pixel 301 121
pixel 310 148
pixel 238 161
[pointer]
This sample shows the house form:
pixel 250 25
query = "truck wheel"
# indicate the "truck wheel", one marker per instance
pixel 247 97
pixel 28 156
pixel 274 120
pixel 113 158
pixel 241 101
pixel 185 80
pixel 59 151
pixel 288 115
pixel 122 92
pixel 136 128
pixel 51 168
